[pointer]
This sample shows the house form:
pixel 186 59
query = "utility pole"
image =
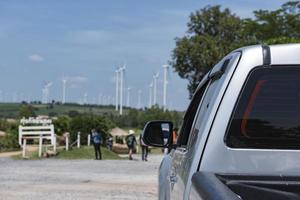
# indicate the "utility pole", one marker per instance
pixel 166 68
pixel 155 77
pixel 139 99
pixel 117 89
pixel 122 69
pixel 128 96
pixel 150 94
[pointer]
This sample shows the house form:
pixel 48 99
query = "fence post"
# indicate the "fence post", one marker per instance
pixel 89 140
pixel 54 145
pixel 24 148
pixel 40 146
pixel 20 135
pixel 67 142
pixel 78 140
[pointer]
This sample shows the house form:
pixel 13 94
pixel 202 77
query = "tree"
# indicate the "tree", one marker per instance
pixel 85 123
pixel 61 125
pixel 26 111
pixel 213 33
pixel 274 27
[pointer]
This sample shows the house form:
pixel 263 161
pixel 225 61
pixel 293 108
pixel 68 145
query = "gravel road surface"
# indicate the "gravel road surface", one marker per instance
pixel 53 179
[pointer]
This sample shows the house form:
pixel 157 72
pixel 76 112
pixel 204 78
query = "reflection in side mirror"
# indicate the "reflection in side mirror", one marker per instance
pixel 158 133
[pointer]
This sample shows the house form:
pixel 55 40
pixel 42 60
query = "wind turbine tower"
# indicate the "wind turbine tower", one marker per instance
pixel 139 99
pixel 85 98
pixel 46 92
pixel 166 68
pixel 64 81
pixel 128 96
pixel 117 88
pixel 99 99
pixel 150 94
pixel 1 96
pixel 155 77
pixel 122 70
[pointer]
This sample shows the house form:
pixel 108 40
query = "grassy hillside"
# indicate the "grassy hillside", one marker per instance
pixel 11 110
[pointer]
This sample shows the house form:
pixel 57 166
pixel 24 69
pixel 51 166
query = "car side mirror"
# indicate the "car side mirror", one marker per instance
pixel 158 133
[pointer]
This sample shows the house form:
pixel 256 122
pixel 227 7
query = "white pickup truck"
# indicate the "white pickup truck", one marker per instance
pixel 240 137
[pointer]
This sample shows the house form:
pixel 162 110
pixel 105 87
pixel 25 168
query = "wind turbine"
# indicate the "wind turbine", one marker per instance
pixel 64 81
pixel 139 99
pixel 150 94
pixel 85 95
pixel 166 69
pixel 46 92
pixel 117 88
pixel 1 96
pixel 99 99
pixel 122 70
pixel 155 77
pixel 128 96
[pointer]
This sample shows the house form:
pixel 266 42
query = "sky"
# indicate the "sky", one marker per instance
pixel 86 41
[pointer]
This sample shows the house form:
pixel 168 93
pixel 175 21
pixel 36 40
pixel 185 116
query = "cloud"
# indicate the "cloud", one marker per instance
pixel 88 36
pixel 77 79
pixel 75 82
pixel 182 14
pixel 36 58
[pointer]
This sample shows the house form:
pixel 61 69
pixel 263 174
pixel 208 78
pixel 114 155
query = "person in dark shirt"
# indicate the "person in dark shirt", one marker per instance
pixel 144 148
pixel 96 140
pixel 130 141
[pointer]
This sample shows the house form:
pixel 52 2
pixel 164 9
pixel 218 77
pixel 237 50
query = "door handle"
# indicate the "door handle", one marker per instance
pixel 173 178
pixel 182 150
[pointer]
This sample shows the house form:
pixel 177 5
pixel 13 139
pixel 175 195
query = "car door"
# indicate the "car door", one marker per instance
pixel 178 154
pixel 194 135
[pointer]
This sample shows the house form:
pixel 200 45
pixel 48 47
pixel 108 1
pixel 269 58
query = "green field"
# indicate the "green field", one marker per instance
pixel 11 110
pixel 84 152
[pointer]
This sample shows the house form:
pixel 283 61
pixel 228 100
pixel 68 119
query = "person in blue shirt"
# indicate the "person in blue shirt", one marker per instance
pixel 96 140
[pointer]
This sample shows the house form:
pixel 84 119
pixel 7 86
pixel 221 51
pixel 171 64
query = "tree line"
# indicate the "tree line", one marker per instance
pixel 213 32
pixel 75 122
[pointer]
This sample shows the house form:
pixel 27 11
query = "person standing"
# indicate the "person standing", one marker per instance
pixel 144 148
pixel 130 141
pixel 96 140
pixel 109 143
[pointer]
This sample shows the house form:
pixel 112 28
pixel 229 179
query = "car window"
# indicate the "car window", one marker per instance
pixel 205 106
pixel 267 114
pixel 190 115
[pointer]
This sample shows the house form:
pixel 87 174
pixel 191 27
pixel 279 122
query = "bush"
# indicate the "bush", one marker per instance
pixel 26 111
pixel 138 118
pixel 61 125
pixel 9 142
pixel 85 123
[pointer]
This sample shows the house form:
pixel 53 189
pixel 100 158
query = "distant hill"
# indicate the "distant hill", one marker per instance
pixel 11 110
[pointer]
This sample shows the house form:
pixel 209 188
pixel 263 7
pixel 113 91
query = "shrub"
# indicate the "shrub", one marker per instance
pixel 85 123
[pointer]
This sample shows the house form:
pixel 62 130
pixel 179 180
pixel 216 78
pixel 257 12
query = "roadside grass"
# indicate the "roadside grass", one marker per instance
pixel 84 152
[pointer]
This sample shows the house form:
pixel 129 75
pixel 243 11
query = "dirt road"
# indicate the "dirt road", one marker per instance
pixel 78 179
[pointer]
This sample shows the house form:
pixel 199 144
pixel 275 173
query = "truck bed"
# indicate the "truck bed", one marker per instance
pixel 229 186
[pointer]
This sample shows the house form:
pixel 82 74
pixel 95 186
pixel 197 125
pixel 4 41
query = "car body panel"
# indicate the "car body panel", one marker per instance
pixel 206 150
pixel 185 163
pixel 218 157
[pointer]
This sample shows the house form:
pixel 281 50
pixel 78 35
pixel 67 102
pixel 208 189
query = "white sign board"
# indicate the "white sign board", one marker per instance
pixel 35 128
